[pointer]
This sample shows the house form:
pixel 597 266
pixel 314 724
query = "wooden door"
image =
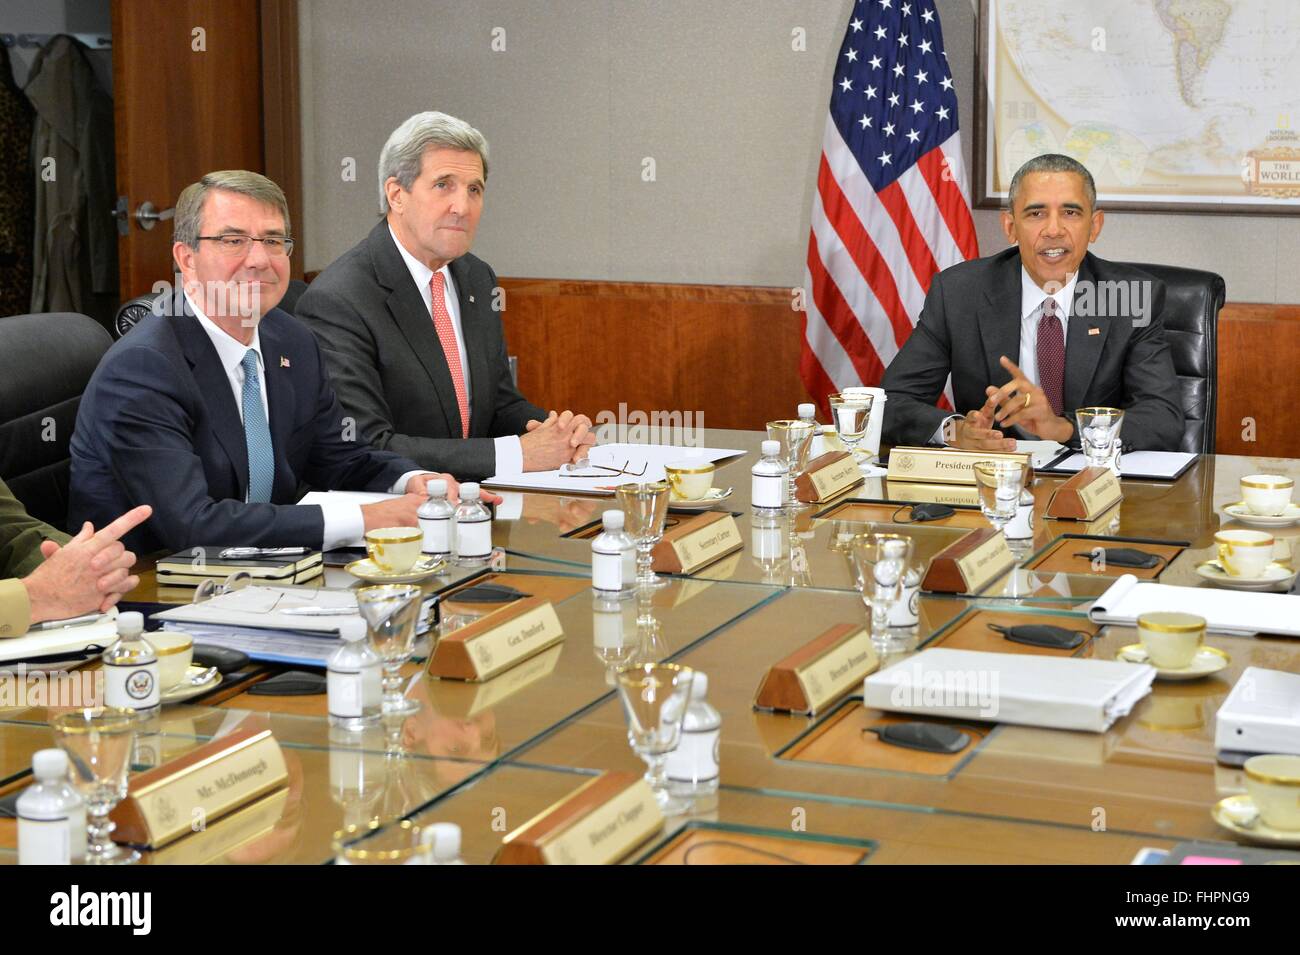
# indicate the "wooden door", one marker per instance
pixel 187 96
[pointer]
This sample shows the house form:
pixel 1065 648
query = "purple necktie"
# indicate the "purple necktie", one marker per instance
pixel 1051 355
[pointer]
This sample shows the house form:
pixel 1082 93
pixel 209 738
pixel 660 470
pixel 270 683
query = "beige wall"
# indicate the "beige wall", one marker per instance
pixel 712 91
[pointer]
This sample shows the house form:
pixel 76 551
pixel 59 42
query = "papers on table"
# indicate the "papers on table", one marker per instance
pixel 645 460
pixel 1027 689
pixel 1042 453
pixel 1225 611
pixel 42 643
pixel 1149 465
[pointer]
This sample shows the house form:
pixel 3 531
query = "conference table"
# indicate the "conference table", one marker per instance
pixel 491 756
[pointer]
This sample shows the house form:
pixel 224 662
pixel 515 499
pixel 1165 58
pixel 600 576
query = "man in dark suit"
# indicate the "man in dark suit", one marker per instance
pixel 408 320
pixel 1036 331
pixel 218 416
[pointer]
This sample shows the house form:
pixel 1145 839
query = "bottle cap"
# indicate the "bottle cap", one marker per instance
pixel 469 492
pixel 807 410
pixel 771 448
pixel 437 488
pixel 699 687
pixel 612 520
pixel 50 764
pixel 130 624
pixel 446 842
pixel 352 629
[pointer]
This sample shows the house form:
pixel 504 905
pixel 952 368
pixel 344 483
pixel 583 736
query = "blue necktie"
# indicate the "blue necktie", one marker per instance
pixel 261 457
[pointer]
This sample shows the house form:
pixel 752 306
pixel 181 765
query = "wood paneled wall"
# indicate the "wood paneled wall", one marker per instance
pixel 731 354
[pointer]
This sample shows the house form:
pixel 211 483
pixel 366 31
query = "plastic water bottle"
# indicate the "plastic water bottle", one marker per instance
pixel 473 528
pixel 808 413
pixel 354 680
pixel 131 668
pixel 768 479
pixel 613 556
pixel 51 814
pixel 436 515
pixel 692 768
pixel 446 844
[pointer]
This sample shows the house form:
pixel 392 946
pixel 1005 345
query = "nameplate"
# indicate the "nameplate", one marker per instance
pixel 464 701
pixel 695 542
pixel 498 641
pixel 945 465
pixel 1086 495
pixel 219 841
pixel 186 794
pixel 954 495
pixel 819 672
pixel 599 823
pixel 969 565
pixel 826 476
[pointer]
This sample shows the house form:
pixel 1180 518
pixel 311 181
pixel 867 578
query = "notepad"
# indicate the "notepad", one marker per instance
pixel 194 565
pixel 43 643
pixel 1136 465
pixel 1225 611
pixel 644 461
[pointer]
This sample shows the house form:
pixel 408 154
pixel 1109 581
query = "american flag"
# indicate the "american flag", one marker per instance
pixel 892 206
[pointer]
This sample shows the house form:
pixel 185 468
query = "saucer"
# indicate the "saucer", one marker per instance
pixel 1208 660
pixel 711 497
pixel 425 567
pixel 186 690
pixel 1275 577
pixel 1240 512
pixel 1226 812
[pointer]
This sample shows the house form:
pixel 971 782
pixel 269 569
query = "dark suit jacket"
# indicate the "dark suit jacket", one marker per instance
pixel 971 317
pixel 388 365
pixel 158 425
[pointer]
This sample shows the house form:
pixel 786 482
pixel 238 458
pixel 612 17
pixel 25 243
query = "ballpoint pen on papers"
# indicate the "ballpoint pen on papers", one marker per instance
pixel 234 553
pixel 322 611
pixel 69 622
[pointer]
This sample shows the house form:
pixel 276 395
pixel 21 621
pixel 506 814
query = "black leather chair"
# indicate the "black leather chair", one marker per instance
pixel 133 312
pixel 45 362
pixel 1193 300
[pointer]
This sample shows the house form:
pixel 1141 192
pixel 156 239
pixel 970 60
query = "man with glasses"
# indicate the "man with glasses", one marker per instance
pixel 218 416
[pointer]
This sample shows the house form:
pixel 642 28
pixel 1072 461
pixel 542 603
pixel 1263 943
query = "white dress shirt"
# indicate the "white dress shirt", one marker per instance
pixel 1031 298
pixel 509 449
pixel 343 522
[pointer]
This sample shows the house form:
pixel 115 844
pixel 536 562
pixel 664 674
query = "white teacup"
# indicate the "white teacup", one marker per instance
pixel 1170 638
pixel 1274 785
pixel 394 549
pixel 175 654
pixel 1267 494
pixel 689 480
pixel 1244 553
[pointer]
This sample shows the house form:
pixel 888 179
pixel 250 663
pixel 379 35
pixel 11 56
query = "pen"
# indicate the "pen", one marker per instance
pixel 69 622
pixel 322 611
pixel 233 553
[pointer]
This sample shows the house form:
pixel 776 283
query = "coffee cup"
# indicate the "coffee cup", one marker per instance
pixel 1244 553
pixel 394 550
pixel 1170 638
pixel 689 480
pixel 1273 782
pixel 175 651
pixel 1267 495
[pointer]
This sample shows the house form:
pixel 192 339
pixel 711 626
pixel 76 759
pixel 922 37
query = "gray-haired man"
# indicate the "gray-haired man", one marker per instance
pixel 407 323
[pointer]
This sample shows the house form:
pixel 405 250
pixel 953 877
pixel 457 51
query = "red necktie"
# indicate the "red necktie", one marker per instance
pixel 447 335
pixel 1051 355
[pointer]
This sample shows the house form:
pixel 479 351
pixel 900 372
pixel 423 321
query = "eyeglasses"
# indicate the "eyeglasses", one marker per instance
pixel 233 244
pixel 567 471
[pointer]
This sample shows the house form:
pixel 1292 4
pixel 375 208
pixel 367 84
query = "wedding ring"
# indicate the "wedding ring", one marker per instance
pixel 1029 396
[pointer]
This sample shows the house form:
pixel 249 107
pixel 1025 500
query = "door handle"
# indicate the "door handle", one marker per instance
pixel 149 216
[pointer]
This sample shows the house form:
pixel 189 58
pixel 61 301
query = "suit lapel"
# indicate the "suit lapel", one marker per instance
pixel 481 400
pixel 280 400
pixel 406 306
pixel 1082 349
pixel 999 321
pixel 223 414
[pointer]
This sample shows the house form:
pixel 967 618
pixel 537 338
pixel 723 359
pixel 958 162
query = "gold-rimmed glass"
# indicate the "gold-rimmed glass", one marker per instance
pixel 1099 436
pixel 391 612
pixel 377 843
pixel 795 438
pixel 98 742
pixel 645 507
pixel 655 697
pixel 880 566
pixel 1000 484
pixel 852 415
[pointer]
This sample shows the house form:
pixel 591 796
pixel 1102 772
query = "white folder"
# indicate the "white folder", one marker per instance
pixel 1225 611
pixel 1028 689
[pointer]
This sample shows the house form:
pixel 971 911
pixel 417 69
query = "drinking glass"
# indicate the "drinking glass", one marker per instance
pixel 852 414
pixel 390 612
pixel 880 563
pixel 655 696
pixel 1099 436
pixel 379 843
pixel 1000 484
pixel 795 438
pixel 645 506
pixel 98 741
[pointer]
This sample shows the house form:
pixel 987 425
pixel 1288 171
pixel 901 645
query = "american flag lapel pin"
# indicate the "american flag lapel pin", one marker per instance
pixel 1091 331
pixel 471 299
pixel 284 362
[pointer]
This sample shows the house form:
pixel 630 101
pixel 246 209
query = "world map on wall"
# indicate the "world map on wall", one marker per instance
pixel 1180 101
